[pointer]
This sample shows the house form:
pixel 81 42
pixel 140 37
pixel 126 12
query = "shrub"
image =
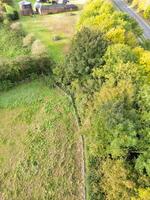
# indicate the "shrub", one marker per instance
pixel 7 1
pixel 147 13
pixel 115 182
pixel 16 26
pixel 23 67
pixel 87 50
pixel 119 53
pixel 13 16
pixel 38 49
pixel 28 40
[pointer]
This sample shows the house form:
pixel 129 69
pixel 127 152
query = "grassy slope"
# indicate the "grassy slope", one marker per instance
pixel 38 155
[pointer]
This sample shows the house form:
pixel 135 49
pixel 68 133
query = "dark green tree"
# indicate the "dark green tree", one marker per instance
pixel 88 48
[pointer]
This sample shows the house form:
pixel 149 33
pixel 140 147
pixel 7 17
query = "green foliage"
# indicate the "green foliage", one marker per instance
pixel 86 53
pixel 24 67
pixel 114 97
pixel 114 131
pixel 118 27
pixel 13 16
pixel 8 13
pixel 147 13
pixel 17 63
pixel 108 75
pixel 119 53
pixel 115 181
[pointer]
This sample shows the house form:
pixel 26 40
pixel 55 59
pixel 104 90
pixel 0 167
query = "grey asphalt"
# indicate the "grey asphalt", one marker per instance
pixel 126 8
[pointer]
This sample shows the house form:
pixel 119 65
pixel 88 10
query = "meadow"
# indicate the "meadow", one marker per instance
pixel 40 145
pixel 93 142
pixel 46 28
pixel 39 154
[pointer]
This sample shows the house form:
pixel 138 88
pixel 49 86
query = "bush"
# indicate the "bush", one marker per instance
pixel 38 48
pixel 16 26
pixel 13 16
pixel 7 1
pixel 23 67
pixel 28 40
pixel 119 53
pixel 115 182
pixel 87 50
pixel 147 13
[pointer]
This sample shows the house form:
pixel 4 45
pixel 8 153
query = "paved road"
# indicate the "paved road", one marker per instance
pixel 125 8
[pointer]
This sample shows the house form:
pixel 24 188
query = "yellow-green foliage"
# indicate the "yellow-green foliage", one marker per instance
pixel 141 4
pixel 144 6
pixel 116 26
pixel 145 59
pixel 147 12
pixel 115 177
pixel 143 194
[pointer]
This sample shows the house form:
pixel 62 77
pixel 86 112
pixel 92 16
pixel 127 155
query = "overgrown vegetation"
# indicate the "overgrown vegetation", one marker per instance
pixel 39 151
pixel 106 72
pixel 47 28
pixel 21 56
pixel 142 6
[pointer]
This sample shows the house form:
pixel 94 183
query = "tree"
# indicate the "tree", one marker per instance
pixel 88 48
pixel 119 53
pixel 115 182
pixel 147 13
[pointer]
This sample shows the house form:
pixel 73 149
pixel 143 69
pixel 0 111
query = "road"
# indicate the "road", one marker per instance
pixel 125 8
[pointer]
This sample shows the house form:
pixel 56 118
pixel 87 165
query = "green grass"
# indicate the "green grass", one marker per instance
pixel 11 44
pixel 46 27
pixel 39 156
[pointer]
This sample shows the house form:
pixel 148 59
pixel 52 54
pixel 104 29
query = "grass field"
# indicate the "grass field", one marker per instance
pixel 48 27
pixel 11 44
pixel 40 147
pixel 39 154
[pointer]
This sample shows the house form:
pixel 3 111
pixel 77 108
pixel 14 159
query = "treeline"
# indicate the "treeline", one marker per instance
pixel 108 73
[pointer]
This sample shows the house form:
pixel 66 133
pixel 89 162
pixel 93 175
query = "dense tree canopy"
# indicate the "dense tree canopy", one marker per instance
pixel 108 72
